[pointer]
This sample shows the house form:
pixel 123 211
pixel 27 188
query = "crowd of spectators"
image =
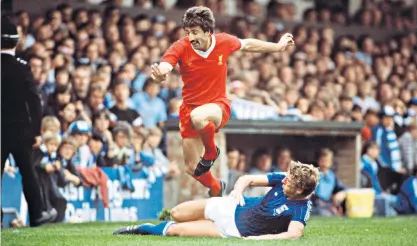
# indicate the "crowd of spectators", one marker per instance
pixel 101 109
pixel 392 14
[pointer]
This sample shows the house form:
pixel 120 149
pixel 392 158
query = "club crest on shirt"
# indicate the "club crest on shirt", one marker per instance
pixel 220 60
pixel 280 209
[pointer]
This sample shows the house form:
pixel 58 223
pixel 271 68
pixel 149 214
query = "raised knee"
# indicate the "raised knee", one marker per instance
pixel 198 120
pixel 176 214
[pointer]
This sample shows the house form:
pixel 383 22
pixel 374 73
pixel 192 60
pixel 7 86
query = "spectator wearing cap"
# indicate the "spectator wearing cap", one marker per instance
pixel 81 132
pixel 121 110
pixel 386 138
pixel 92 175
pixel 408 147
pixel 149 106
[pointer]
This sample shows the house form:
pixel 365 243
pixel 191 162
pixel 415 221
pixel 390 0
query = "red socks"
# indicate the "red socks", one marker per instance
pixel 209 181
pixel 207 136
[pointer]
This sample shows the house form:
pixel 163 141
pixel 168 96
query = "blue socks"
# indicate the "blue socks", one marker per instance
pixel 157 230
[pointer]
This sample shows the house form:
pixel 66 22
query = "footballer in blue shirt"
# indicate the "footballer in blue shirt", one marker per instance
pixel 281 214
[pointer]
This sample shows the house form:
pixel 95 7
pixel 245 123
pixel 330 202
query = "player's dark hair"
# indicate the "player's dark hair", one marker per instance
pixel 199 16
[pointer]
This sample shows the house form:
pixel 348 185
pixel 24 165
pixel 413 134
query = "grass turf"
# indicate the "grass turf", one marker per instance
pixel 320 231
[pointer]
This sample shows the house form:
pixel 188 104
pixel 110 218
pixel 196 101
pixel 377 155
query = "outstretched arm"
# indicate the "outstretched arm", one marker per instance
pixel 245 181
pixel 295 230
pixel 256 45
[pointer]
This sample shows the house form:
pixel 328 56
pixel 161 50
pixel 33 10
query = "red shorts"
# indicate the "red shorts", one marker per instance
pixel 187 129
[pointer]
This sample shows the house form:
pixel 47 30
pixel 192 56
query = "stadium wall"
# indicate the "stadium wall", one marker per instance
pixel 85 204
pixel 303 138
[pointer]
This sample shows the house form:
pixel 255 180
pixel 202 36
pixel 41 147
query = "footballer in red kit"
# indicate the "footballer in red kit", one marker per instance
pixel 202 58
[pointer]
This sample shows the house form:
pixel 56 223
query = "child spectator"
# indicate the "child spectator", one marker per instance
pixel 370 168
pixel 386 138
pixel 121 154
pixel 162 165
pixel 81 132
pixel 101 124
pixel 85 161
pixel 50 173
pixel 142 161
pixel 50 124
pixel 66 152
pixel 329 194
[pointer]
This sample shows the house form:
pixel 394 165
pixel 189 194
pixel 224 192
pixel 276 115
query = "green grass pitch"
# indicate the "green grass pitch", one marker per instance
pixel 395 231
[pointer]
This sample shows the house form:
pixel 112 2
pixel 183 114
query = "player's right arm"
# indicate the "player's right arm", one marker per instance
pixel 295 230
pixel 254 180
pixel 170 59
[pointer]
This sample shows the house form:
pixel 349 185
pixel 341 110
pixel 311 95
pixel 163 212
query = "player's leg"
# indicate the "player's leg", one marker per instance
pixel 206 119
pixel 201 228
pixel 193 149
pixel 189 211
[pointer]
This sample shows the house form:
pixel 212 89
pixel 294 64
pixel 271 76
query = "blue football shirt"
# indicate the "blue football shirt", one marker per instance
pixel 272 213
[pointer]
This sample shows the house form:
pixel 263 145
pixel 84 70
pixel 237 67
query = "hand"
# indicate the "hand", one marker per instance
pixel 286 40
pixel 158 74
pixel 49 168
pixel 251 238
pixel 38 141
pixel 402 171
pixel 339 196
pixel 57 164
pixel 238 197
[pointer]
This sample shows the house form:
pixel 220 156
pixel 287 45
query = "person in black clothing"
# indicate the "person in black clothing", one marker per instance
pixel 21 113
pixel 121 110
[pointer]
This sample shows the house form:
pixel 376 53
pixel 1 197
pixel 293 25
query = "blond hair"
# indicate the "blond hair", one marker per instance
pixel 304 176
pixel 51 136
pixel 50 121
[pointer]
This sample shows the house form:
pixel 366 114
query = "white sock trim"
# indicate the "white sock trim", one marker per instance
pixel 169 224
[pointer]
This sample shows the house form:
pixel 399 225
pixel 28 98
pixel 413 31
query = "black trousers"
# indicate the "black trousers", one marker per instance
pixel 53 198
pixel 21 151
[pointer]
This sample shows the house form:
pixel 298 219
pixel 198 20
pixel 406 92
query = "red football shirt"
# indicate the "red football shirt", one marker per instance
pixel 203 73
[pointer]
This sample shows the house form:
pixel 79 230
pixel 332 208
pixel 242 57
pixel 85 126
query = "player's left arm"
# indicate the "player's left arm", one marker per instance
pixel 256 45
pixel 295 230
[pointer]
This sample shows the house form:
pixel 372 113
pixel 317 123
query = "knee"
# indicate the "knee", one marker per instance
pixel 198 120
pixel 176 214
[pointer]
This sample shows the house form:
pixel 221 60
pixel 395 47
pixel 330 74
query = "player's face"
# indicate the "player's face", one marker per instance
pixel 289 187
pixel 198 38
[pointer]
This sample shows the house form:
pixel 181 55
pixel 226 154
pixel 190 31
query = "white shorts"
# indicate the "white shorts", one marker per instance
pixel 221 210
